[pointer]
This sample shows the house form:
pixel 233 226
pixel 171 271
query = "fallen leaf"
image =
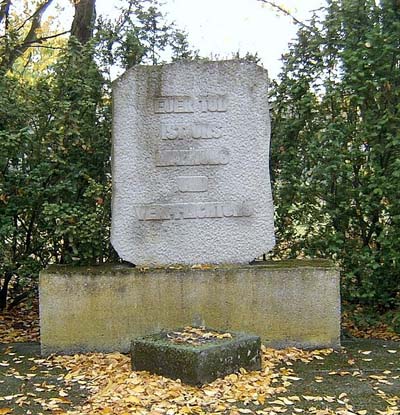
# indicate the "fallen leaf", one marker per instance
pixel 132 399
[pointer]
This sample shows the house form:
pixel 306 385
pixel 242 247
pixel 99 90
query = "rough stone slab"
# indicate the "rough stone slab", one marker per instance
pixel 196 365
pixel 288 303
pixel 190 169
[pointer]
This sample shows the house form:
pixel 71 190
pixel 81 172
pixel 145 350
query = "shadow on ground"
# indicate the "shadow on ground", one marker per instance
pixel 363 377
pixel 32 385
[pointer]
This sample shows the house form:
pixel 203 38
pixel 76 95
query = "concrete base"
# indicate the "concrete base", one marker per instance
pixel 286 303
pixel 196 364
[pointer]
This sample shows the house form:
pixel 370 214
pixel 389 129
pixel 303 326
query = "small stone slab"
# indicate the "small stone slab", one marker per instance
pixel 196 363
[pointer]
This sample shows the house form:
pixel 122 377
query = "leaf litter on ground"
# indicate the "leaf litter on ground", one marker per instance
pixel 115 389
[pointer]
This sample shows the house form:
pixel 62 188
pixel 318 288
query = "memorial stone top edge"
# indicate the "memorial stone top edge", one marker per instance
pixel 159 67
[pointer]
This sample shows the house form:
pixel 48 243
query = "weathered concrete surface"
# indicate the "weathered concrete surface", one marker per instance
pixel 104 308
pixel 190 162
pixel 196 365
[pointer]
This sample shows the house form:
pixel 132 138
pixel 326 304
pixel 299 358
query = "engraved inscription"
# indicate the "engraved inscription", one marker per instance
pixel 184 131
pixel 213 103
pixel 178 104
pixel 187 104
pixel 192 183
pixel 178 211
pixel 206 156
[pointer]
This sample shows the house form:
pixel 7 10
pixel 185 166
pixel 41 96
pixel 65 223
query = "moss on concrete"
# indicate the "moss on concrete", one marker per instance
pixel 102 308
pixel 196 365
pixel 115 269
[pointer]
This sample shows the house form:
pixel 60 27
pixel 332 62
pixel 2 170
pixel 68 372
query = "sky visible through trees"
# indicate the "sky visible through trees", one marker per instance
pixel 224 27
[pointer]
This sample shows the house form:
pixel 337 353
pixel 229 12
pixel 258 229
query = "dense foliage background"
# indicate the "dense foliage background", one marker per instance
pixel 335 143
pixel 336 147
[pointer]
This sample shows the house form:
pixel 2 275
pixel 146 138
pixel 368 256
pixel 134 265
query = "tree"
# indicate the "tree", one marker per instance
pixel 55 130
pixel 22 31
pixel 336 146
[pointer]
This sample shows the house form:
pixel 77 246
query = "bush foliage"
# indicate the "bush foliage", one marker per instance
pixel 336 146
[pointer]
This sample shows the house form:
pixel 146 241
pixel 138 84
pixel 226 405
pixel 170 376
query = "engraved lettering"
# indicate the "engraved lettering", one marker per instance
pixel 141 212
pixel 169 132
pixel 190 212
pixel 213 103
pixel 206 210
pixel 173 104
pixel 183 131
pixel 207 156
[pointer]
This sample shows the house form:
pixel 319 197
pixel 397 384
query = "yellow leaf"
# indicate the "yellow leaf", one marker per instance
pixel 277 402
pixel 366 352
pixel 138 389
pixel 312 398
pixel 377 377
pixel 261 399
pixel 287 401
pixel 329 399
pixel 4 411
pixel 245 411
pixel 362 412
pixel 233 377
pixel 392 351
pixel 132 399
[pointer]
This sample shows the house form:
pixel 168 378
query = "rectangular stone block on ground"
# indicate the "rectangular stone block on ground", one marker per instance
pixel 193 363
pixel 286 303
pixel 190 164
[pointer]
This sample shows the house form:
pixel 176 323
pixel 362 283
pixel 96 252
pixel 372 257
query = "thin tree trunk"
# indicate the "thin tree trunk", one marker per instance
pixel 85 15
pixel 4 290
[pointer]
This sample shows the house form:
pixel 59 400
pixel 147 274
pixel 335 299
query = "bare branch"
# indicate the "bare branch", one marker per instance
pixel 36 21
pixel 286 13
pixel 30 38
pixel 44 38
pixel 50 47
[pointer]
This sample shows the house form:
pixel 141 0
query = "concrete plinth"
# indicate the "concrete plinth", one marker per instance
pixel 196 364
pixel 288 303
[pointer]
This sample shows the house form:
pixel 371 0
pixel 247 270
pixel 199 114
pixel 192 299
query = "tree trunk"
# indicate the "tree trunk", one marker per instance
pixel 85 15
pixel 4 290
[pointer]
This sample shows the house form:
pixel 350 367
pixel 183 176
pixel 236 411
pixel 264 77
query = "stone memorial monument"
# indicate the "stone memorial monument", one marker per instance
pixel 191 164
pixel 191 208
